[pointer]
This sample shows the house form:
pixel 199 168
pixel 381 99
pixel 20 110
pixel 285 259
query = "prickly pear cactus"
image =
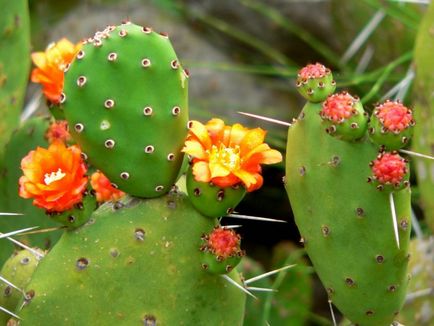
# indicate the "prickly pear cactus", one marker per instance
pixel 345 222
pixel 125 99
pixel 14 64
pixel 135 262
pixel 27 137
pixel 423 141
pixel 18 269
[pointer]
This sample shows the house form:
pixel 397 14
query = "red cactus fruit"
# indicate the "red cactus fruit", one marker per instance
pixel 316 70
pixel 224 242
pixel 221 250
pixel 394 116
pixel 339 107
pixel 389 168
pixel 315 82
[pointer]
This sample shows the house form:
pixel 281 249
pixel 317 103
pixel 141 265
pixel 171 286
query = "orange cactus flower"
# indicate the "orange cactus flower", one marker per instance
pixel 58 130
pixel 50 66
pixel 226 155
pixel 54 177
pixel 103 188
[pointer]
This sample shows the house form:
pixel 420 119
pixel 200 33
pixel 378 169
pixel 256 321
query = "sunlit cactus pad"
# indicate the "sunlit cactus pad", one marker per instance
pixel 125 99
pixel 136 262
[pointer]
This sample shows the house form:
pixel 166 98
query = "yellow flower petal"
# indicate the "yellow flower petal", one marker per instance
pixel 238 132
pixel 252 139
pixel 247 178
pixel 39 59
pixel 264 155
pixel 200 131
pixel 218 170
pixel 215 129
pixel 271 156
pixel 201 172
pixel 194 149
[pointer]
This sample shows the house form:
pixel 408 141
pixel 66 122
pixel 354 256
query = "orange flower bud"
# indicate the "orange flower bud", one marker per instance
pixel 103 188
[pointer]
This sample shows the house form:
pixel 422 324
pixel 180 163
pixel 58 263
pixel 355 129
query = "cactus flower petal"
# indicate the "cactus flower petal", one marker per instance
pixel 54 177
pixel 228 155
pixel 104 190
pixel 50 66
pixel 58 130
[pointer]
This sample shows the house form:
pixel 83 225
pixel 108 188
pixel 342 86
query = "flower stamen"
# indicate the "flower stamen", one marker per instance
pixel 49 178
pixel 229 157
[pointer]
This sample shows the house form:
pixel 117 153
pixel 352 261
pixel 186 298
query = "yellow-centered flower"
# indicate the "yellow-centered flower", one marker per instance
pixel 228 155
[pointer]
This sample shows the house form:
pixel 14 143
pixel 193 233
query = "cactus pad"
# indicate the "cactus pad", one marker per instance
pixel 125 99
pixel 18 270
pixel 136 262
pixel 347 226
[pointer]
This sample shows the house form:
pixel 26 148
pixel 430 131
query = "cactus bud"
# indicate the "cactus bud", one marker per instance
pixel 344 116
pixel 315 82
pixel 221 250
pixel 389 171
pixel 391 125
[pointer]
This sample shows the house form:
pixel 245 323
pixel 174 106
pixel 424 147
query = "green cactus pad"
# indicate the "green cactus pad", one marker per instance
pixel 18 270
pixel 213 201
pixel 315 82
pixel 125 99
pixel 14 64
pixel 345 223
pixel 136 262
